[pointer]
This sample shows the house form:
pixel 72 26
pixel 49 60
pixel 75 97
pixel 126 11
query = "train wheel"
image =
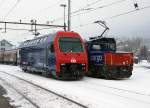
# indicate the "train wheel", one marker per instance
pixel 95 74
pixel 76 75
pixel 107 75
pixel 45 74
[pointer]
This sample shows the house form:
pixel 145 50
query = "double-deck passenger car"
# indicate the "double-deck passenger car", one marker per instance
pixel 61 55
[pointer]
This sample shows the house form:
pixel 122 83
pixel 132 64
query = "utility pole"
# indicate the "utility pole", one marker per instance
pixel 35 28
pixel 64 6
pixel 69 15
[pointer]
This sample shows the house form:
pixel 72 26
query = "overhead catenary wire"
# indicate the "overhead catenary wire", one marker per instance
pixel 21 23
pixel 1 2
pixel 100 7
pixel 30 24
pixel 22 29
pixel 88 5
pixel 47 8
pixel 73 14
pixel 82 25
pixel 81 9
pixel 128 12
pixel 11 10
pixel 115 16
pixel 15 29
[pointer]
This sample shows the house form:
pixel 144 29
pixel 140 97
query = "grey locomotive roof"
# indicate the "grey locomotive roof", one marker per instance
pixel 38 40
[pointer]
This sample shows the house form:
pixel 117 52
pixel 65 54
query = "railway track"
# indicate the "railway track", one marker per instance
pixel 119 89
pixel 93 86
pixel 25 97
pixel 148 67
pixel 124 93
pixel 37 86
pixel 111 87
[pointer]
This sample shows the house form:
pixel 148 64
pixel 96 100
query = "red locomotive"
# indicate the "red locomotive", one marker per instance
pixel 62 55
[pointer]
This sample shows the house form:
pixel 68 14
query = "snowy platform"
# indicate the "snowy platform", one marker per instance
pixel 132 92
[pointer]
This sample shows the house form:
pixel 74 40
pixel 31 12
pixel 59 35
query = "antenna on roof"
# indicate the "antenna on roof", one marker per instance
pixel 103 24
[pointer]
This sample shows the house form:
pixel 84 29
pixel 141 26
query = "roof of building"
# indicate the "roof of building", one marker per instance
pixel 3 40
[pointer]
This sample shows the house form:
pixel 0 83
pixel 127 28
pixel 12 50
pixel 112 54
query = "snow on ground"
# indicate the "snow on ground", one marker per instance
pixel 143 63
pixel 15 99
pixel 42 98
pixel 132 92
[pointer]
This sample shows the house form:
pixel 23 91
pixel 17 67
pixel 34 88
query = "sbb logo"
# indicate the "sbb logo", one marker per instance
pixel 73 60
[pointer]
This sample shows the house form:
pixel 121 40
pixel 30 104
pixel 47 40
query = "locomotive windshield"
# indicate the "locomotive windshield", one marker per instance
pixel 68 44
pixel 104 47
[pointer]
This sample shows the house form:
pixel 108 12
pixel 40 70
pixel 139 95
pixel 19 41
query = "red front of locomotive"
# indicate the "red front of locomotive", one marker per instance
pixel 119 64
pixel 71 56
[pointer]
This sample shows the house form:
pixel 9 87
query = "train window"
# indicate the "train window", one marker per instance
pixel 38 40
pixel 24 44
pixel 112 47
pixel 31 42
pixel 34 42
pixel 27 43
pixel 41 40
pixel 96 47
pixel 69 44
pixel 104 47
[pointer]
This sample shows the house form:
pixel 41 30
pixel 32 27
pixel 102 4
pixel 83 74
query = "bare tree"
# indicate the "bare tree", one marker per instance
pixel 130 44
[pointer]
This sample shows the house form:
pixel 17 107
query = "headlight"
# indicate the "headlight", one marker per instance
pixel 62 64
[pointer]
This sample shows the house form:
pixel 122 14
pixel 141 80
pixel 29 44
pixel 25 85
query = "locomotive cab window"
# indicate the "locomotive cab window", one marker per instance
pixel 69 44
pixel 104 47
pixel 96 47
pixel 112 47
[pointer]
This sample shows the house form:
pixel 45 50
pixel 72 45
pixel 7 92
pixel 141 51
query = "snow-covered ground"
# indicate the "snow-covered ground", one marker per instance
pixel 133 92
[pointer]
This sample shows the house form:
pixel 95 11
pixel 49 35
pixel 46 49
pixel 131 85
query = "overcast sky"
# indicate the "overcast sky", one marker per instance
pixel 130 25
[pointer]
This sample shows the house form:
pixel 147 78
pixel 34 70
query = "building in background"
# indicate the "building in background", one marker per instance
pixel 5 45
